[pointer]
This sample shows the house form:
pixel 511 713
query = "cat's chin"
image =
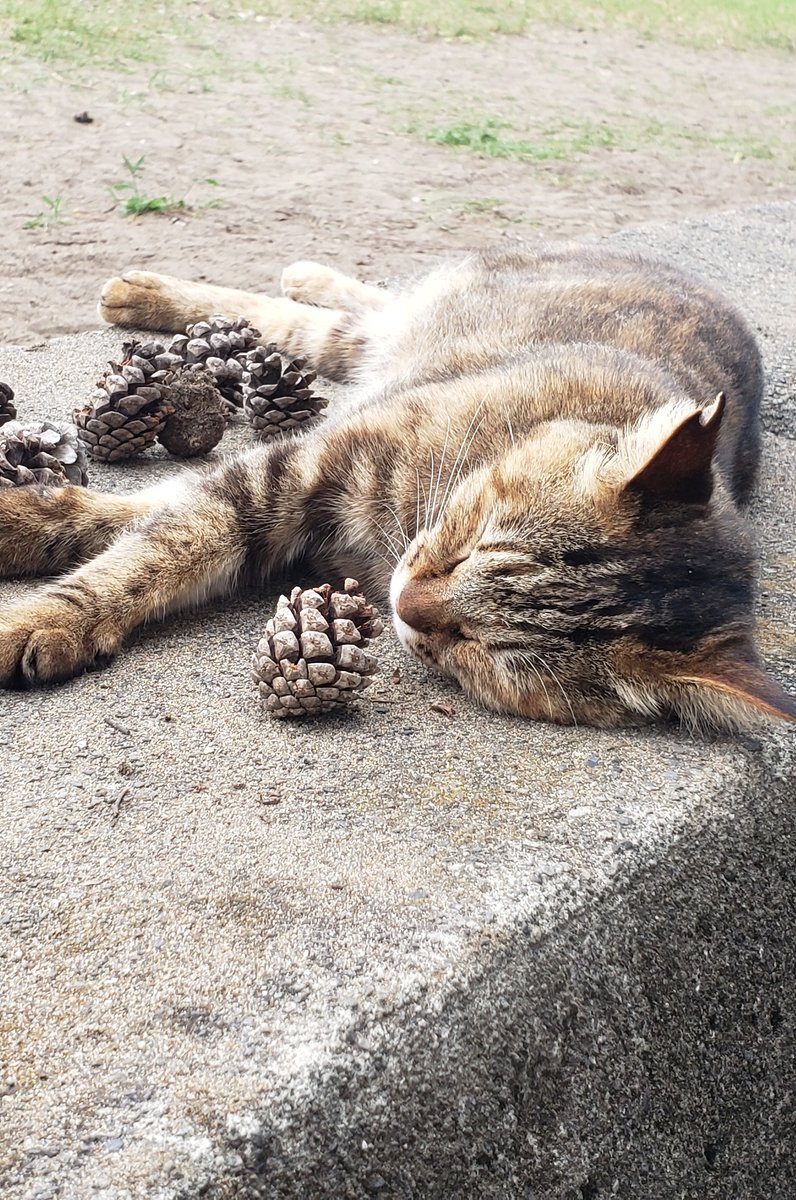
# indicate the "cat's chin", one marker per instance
pixel 417 644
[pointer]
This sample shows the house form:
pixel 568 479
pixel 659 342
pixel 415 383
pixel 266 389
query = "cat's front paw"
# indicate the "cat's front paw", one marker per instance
pixel 140 300
pixel 48 641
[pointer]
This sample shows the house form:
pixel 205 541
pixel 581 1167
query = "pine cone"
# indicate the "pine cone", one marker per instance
pixel 277 395
pixel 312 658
pixel 155 353
pixel 47 452
pixel 7 408
pixel 218 345
pixel 131 403
pixel 197 423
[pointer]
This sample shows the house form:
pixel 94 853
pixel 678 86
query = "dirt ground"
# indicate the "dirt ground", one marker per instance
pixel 288 141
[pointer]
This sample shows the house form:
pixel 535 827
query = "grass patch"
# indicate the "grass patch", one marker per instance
pixel 553 145
pixel 481 204
pixel 110 32
pixel 737 23
pixel 51 214
pixel 133 202
pixel 566 140
pixel 98 32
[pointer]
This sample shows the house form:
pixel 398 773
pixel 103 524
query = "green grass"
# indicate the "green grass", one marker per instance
pixel 737 23
pixel 487 137
pixel 133 202
pixel 105 32
pixel 566 140
pixel 51 214
pixel 101 32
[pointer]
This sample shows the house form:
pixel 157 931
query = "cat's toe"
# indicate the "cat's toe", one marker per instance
pixel 13 642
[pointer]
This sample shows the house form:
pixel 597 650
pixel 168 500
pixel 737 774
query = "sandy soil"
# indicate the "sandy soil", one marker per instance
pixel 318 142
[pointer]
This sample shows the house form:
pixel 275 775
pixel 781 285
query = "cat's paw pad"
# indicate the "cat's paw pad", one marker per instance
pixel 311 283
pixel 138 299
pixel 47 643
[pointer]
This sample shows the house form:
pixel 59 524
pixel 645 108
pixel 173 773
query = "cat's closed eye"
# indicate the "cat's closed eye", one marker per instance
pixel 453 563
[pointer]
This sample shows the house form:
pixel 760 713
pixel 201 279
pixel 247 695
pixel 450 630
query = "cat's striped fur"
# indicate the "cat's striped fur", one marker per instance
pixel 543 460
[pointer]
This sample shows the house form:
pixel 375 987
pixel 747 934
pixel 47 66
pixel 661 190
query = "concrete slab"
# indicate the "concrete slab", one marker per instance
pixel 402 955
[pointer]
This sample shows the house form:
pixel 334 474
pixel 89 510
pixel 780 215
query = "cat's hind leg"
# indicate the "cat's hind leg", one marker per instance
pixel 145 300
pixel 331 338
pixel 314 283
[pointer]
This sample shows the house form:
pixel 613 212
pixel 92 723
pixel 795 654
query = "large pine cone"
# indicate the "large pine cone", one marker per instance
pixel 278 395
pixel 312 658
pixel 7 408
pixel 219 346
pixel 131 403
pixel 48 453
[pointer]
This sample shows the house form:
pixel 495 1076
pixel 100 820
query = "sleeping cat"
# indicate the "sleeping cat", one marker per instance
pixel 543 460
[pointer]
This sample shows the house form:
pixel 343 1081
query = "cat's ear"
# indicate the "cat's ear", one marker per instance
pixel 679 472
pixel 734 686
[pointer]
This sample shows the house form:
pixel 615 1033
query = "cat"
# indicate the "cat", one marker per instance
pixel 544 461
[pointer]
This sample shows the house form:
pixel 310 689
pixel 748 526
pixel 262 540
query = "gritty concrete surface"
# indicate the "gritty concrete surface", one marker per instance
pixel 401 955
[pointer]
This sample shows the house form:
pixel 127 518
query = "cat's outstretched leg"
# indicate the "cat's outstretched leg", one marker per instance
pixel 329 337
pixel 189 548
pixel 314 283
pixel 44 531
pixel 145 300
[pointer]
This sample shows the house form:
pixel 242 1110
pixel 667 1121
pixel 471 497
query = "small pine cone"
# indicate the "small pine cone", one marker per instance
pixel 278 395
pixel 312 658
pixel 131 404
pixel 7 409
pixel 48 453
pixel 219 346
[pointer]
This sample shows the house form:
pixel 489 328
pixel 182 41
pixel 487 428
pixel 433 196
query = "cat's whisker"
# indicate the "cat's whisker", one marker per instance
pixel 546 665
pixel 428 522
pixel 397 520
pixel 417 517
pixel 470 433
pixel 461 446
pixel 511 431
pixel 439 472
pixel 391 544
pixel 389 562
pixel 538 675
pixel 458 470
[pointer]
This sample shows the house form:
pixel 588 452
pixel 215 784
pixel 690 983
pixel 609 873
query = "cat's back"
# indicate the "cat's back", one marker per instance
pixel 575 303
pixel 576 294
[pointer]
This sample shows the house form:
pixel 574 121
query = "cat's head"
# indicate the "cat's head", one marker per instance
pixel 595 577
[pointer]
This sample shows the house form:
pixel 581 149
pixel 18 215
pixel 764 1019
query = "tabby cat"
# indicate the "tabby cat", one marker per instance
pixel 543 459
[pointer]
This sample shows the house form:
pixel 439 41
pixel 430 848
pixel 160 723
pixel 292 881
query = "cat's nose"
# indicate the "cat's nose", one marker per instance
pixel 418 605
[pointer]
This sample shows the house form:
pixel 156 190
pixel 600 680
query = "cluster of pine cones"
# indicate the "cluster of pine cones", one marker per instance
pixel 182 395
